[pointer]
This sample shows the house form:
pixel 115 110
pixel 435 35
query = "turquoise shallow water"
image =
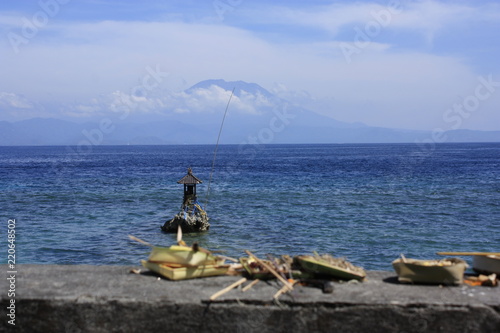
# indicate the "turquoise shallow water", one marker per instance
pixel 368 203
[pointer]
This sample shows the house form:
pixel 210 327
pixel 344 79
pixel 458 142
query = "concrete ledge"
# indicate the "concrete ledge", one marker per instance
pixel 53 298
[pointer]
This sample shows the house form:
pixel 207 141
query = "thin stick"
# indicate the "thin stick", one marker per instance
pixel 139 240
pixel 281 291
pixel 270 269
pixel 180 242
pixel 250 285
pixel 228 288
pixel 227 258
pixel 179 233
pixel 468 253
pixel 216 147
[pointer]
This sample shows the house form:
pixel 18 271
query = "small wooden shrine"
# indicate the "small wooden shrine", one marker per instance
pixel 192 217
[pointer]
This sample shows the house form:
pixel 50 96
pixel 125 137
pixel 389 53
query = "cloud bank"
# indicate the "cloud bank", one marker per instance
pixel 407 73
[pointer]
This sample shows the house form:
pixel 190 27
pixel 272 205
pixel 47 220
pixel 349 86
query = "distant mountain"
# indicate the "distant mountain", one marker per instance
pixel 255 116
pixel 39 131
pixel 243 89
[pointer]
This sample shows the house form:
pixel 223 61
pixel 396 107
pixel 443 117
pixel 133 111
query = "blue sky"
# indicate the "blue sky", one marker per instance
pixel 402 64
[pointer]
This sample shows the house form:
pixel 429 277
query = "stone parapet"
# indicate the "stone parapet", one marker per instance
pixel 58 298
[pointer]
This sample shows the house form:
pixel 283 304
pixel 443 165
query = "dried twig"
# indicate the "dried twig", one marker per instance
pixel 228 258
pixel 139 240
pixel 270 269
pixel 250 285
pixel 228 288
pixel 281 291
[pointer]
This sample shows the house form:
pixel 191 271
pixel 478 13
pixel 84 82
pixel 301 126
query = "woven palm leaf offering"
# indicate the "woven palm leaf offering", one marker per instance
pixel 180 262
pixel 328 266
pixel 449 271
pixel 255 269
pixel 258 268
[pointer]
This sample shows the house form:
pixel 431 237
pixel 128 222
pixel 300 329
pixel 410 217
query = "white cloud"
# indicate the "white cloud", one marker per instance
pixel 11 100
pixel 424 16
pixel 15 107
pixel 199 100
pixel 10 20
pixel 90 59
pixel 93 68
pixel 333 17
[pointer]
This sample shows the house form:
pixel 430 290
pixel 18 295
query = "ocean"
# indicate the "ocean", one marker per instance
pixel 368 203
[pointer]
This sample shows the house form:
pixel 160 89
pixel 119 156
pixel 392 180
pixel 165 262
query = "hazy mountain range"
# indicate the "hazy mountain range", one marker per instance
pixel 194 116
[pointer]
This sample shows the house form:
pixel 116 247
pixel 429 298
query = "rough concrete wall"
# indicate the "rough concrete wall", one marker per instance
pixel 51 298
pixel 94 315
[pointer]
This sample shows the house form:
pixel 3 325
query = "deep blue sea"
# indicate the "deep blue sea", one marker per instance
pixel 366 202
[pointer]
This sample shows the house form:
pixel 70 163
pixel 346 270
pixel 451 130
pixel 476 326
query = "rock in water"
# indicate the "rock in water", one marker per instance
pixel 192 217
pixel 189 223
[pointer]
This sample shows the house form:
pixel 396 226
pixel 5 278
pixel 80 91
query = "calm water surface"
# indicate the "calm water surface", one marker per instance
pixel 368 203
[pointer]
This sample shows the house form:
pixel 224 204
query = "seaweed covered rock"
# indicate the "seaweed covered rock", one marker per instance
pixel 196 222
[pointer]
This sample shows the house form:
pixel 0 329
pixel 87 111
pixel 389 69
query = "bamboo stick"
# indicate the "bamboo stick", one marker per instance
pixel 179 236
pixel 281 291
pixel 250 285
pixel 403 258
pixel 179 233
pixel 270 269
pixel 227 258
pixel 469 253
pixel 228 288
pixel 139 240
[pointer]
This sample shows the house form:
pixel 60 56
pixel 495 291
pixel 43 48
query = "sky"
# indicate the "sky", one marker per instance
pixel 398 64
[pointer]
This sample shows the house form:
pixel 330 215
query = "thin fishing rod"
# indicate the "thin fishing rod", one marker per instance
pixel 216 147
